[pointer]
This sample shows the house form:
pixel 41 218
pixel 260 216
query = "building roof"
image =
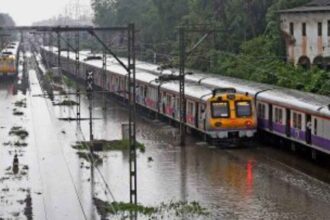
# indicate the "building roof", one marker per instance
pixel 313 6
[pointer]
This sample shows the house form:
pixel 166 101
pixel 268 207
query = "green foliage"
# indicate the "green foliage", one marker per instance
pixel 172 210
pixel 247 43
pixel 104 145
pixel 19 132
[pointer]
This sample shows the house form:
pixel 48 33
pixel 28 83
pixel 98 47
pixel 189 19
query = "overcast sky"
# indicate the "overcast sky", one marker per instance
pixel 25 12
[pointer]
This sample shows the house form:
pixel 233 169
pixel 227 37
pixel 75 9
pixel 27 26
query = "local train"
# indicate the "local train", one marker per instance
pixel 9 59
pixel 221 114
pixel 296 117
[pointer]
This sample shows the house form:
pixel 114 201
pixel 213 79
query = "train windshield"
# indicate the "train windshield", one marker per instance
pixel 220 110
pixel 243 109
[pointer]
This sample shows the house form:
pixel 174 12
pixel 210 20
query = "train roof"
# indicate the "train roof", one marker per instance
pixel 200 84
pixel 303 101
pixel 10 49
pixel 192 89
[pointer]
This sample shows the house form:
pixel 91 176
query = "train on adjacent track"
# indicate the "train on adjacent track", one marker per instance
pixel 9 57
pixel 295 117
pixel 220 113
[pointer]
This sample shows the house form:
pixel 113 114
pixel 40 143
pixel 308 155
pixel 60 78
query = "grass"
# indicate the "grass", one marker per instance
pixel 67 103
pixel 104 145
pixel 105 208
pixel 20 144
pixel 172 210
pixel 68 81
pixel 87 156
pixel 21 103
pixel 19 131
pixel 17 113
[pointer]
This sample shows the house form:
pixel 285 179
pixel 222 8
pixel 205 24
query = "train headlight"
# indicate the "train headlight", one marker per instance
pixel 218 124
pixel 248 124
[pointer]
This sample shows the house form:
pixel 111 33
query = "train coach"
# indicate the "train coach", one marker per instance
pixel 296 117
pixel 9 59
pixel 221 114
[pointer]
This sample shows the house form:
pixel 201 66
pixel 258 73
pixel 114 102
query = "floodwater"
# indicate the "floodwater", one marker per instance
pixel 52 182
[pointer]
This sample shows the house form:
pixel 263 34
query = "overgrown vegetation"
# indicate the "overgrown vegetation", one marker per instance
pixel 19 131
pixel 247 43
pixel 90 157
pixel 172 210
pixel 21 103
pixel 17 112
pixel 67 103
pixel 104 145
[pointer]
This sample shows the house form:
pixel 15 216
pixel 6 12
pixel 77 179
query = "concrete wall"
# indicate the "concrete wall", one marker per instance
pixel 310 45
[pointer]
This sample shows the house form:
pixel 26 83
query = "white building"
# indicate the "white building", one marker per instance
pixel 307 33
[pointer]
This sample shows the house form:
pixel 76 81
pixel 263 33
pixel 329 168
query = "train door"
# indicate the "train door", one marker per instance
pixel 196 114
pixel 308 129
pixel 288 123
pixel 270 117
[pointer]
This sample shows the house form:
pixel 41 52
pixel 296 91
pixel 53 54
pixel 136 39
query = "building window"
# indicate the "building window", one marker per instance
pixel 291 29
pixel 319 29
pixel 303 29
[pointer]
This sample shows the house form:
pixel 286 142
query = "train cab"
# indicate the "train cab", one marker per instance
pixel 232 115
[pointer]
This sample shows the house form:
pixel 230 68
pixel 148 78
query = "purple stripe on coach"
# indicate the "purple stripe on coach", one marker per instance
pixel 262 123
pixel 279 128
pixel 321 142
pixel 298 134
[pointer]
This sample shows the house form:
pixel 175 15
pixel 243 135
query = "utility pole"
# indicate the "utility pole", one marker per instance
pixel 181 82
pixel 89 90
pixel 132 112
pixel 104 72
pixel 59 52
pixel 77 67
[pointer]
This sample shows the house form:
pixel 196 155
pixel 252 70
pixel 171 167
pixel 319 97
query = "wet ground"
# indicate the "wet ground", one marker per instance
pixel 52 182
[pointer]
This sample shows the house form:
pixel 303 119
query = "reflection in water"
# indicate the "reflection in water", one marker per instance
pixel 92 213
pixel 183 168
pixel 249 178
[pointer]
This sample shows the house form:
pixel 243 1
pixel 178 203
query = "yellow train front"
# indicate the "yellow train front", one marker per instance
pixel 8 65
pixel 8 60
pixel 231 116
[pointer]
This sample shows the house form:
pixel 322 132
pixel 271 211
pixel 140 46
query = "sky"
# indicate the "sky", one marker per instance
pixel 25 12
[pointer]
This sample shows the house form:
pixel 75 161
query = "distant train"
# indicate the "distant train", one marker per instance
pixel 220 113
pixel 9 59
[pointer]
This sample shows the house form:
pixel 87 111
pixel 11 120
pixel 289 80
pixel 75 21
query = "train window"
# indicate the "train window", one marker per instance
pixel 168 99
pixel 297 121
pixel 261 110
pixel 145 91
pixel 190 109
pixel 315 126
pixel 243 109
pixel 278 115
pixel 220 109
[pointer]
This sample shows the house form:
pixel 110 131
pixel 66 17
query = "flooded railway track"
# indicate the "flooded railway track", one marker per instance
pixel 259 182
